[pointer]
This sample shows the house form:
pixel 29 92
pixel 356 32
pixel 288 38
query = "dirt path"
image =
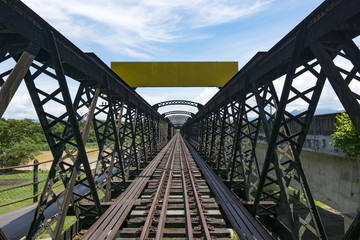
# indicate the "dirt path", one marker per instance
pixel 46 156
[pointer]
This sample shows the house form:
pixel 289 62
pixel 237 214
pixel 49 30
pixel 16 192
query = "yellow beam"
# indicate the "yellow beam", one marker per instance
pixel 175 74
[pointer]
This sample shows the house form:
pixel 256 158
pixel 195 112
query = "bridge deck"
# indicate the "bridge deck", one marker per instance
pixel 241 220
pixel 109 223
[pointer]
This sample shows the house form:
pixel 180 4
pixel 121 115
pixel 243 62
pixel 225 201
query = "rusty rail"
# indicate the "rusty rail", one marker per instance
pixel 108 224
pixel 167 173
pixel 187 213
pixel 204 226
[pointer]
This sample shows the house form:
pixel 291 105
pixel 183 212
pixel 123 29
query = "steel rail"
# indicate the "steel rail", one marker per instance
pixel 167 169
pixel 201 214
pixel 187 213
pixel 245 225
pixel 108 224
pixel 165 203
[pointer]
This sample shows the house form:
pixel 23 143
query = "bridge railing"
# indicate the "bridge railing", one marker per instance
pixel 21 185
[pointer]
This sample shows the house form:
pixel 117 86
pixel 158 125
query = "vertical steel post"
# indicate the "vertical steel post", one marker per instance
pixel 35 180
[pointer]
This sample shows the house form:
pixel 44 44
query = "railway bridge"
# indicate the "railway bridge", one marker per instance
pixel 151 182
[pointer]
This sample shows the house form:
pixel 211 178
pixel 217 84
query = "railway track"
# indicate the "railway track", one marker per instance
pixel 176 202
pixel 171 199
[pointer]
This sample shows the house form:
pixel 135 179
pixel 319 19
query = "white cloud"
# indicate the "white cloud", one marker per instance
pixel 135 26
pixel 153 99
pixel 329 99
pixel 218 12
pixel 156 95
pixel 21 105
pixel 205 96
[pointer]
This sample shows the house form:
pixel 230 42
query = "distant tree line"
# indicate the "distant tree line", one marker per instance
pixel 22 140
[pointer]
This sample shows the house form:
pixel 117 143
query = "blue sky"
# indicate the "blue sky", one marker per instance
pixel 169 30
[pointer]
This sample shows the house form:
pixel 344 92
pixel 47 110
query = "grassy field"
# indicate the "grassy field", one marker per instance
pixel 45 156
pixel 15 180
pixel 69 221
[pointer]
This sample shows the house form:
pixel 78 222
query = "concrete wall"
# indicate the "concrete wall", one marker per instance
pixel 333 180
pixel 318 138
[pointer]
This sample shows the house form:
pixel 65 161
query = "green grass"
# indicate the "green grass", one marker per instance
pixel 15 206
pixel 69 221
pixel 317 203
pixel 23 192
pixel 17 178
pixel 299 205
pixel 233 235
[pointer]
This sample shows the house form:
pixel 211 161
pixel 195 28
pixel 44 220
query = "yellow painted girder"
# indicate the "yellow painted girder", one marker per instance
pixel 175 74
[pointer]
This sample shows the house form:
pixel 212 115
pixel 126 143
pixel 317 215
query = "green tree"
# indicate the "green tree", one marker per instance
pixel 20 141
pixel 345 136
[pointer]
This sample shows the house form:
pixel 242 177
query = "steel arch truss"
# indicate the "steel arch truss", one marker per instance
pixel 178 120
pixel 177 102
pixel 128 130
pixel 166 114
pixel 263 97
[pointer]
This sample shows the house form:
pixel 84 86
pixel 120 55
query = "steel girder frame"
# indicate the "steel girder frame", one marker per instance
pixel 107 134
pixel 244 162
pixel 49 63
pixel 298 66
pixel 141 138
pixel 200 133
pixel 215 139
pixel 127 138
pixel 224 141
pixel 61 144
pixel 344 80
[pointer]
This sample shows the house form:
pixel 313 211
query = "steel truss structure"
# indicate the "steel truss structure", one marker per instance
pixel 177 117
pixel 186 113
pixel 178 120
pixel 128 130
pixel 263 96
pixel 177 102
